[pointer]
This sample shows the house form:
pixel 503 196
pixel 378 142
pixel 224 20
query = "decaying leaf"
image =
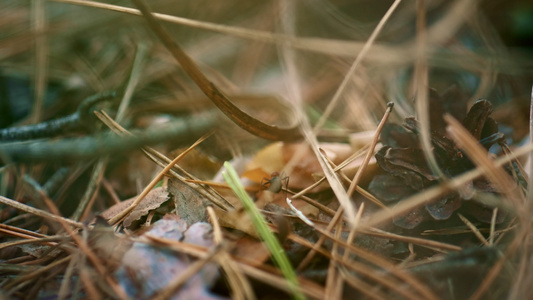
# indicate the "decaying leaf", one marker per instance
pixel 153 200
pixel 306 168
pixel 106 243
pixel 236 219
pixel 190 205
pixel 265 162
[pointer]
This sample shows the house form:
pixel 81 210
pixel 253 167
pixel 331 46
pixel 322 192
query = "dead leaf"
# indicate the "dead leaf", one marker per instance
pixel 269 159
pixel 190 205
pixel 115 209
pixel 153 200
pixel 236 219
pixel 306 169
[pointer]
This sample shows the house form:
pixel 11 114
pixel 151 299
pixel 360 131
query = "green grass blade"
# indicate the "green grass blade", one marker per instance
pixel 278 254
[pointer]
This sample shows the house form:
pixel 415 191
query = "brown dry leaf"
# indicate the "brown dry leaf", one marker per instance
pixel 267 160
pixel 190 205
pixel 115 209
pixel 351 168
pixel 307 169
pixel 153 200
pixel 236 219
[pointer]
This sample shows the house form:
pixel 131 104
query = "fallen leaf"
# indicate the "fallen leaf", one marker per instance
pixel 236 219
pixel 267 160
pixel 153 200
pixel 190 205
pixel 306 169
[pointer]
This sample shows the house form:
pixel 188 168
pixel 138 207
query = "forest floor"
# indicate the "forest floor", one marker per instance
pixel 266 150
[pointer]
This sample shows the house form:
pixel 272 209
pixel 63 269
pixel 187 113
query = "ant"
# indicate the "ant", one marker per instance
pixel 275 183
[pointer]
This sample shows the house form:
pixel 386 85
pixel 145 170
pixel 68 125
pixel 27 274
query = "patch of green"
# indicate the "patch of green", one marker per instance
pixel 159 184
pixel 314 115
pixel 278 254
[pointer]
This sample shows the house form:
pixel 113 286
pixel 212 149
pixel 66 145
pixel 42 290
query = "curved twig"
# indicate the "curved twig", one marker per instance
pixel 238 116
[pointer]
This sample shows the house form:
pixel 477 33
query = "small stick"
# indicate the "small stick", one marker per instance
pixel 363 166
pixel 218 98
pixel 80 120
pixel 38 212
pixel 474 229
pixel 493 225
pixel 89 147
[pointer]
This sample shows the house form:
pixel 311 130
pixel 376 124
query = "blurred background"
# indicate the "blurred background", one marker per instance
pixel 54 53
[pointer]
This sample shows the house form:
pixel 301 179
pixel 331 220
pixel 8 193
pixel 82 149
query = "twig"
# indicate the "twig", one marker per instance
pixel 239 284
pixel 89 147
pixel 474 229
pixel 218 98
pixel 38 212
pixel 163 161
pixel 80 120
pixel 84 246
pixel 493 226
pixel 368 156
pixel 341 209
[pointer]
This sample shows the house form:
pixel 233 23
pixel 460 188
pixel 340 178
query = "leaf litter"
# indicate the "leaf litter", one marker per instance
pixel 430 204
